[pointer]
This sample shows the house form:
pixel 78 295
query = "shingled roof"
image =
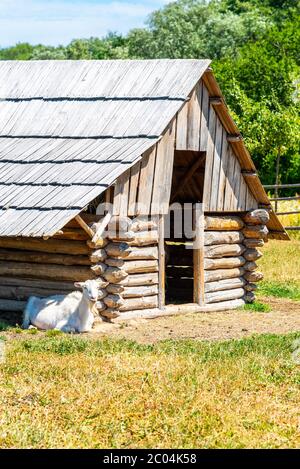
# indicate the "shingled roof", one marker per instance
pixel 68 129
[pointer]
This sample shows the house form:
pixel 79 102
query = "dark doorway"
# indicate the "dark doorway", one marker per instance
pixel 187 190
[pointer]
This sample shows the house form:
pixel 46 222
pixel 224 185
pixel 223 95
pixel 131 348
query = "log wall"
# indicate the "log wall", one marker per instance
pixel 126 265
pixel 230 255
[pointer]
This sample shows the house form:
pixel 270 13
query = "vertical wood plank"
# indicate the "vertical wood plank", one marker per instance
pixel 193 119
pixel 133 190
pixel 216 166
pixel 229 196
pixel 209 159
pixel 236 185
pixel 163 172
pixel 242 194
pixel 223 172
pixel 198 255
pixel 146 182
pixel 251 202
pixel 204 119
pixel 181 128
pixel 161 263
pixel 121 194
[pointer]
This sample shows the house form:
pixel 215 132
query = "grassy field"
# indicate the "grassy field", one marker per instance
pixel 280 265
pixel 73 392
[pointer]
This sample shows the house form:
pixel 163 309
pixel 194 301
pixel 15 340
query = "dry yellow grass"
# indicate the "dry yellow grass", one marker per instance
pixel 281 261
pixel 75 393
pixel 290 220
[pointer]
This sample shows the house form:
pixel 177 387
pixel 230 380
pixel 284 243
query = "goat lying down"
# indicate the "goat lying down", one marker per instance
pixel 67 313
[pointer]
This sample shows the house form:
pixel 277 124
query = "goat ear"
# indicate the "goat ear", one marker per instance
pixel 78 284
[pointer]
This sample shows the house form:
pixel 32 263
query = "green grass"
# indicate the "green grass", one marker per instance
pixel 257 306
pixel 74 392
pixel 4 326
pixel 280 265
pixel 279 290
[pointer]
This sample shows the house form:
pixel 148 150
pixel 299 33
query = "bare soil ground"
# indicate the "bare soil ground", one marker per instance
pixel 283 318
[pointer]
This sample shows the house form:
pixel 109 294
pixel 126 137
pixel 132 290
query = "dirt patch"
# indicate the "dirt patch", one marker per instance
pixel 283 318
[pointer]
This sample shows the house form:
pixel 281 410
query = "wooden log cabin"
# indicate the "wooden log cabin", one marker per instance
pixel 185 210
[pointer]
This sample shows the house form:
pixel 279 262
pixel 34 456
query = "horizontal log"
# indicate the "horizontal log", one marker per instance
pixel 100 305
pixel 37 283
pixel 102 293
pixel 226 284
pixel 250 287
pixel 226 295
pixel 249 297
pixel 46 271
pixel 12 292
pixel 255 231
pixel 223 237
pixel 139 303
pixel 253 276
pixel 144 238
pixel 114 274
pixel 115 288
pixel 99 268
pixel 12 305
pixel 49 245
pixel 257 217
pixel 113 301
pixel 98 256
pixel 224 250
pixel 252 254
pixel 221 274
pixel 223 223
pixel 71 234
pixel 134 292
pixel 120 235
pixel 224 263
pixel 134 267
pixel 118 223
pixel 140 279
pixel 100 243
pixel 140 224
pixel 124 251
pixel 250 266
pixel 42 257
pixel 176 309
pixel 253 243
pixel 109 313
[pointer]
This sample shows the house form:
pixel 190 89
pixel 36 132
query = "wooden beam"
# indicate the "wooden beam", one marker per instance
pixel 248 173
pixel 84 226
pixel 101 227
pixel 188 175
pixel 234 138
pixel 198 255
pixel 216 100
pixel 161 263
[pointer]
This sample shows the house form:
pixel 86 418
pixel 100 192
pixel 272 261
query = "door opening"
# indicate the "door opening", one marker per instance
pixel 187 190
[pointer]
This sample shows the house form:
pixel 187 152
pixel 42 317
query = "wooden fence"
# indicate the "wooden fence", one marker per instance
pixel 277 188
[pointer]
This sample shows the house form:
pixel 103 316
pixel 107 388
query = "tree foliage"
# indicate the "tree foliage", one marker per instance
pixel 254 45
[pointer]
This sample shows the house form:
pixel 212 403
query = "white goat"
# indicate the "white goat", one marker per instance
pixel 67 313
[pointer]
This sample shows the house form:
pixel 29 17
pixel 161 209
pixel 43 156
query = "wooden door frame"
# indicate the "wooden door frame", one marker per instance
pixel 198 255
